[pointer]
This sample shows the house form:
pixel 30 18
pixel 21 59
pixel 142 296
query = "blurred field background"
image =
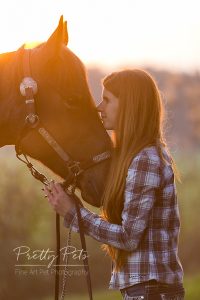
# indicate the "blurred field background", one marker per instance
pixel 27 219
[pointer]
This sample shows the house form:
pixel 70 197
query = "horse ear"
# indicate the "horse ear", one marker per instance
pixel 65 34
pixel 53 45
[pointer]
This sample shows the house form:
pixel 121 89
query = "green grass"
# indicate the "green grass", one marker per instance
pixel 192 287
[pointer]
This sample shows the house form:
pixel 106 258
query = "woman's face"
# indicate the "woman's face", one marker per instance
pixel 108 109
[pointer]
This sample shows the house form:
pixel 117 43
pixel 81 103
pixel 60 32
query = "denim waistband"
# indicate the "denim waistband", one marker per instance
pixel 153 285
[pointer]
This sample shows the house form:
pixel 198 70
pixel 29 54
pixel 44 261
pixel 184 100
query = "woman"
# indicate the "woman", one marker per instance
pixel 139 224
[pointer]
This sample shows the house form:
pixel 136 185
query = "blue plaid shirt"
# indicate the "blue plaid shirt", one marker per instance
pixel 150 223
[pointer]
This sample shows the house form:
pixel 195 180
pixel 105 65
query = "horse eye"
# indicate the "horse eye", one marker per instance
pixel 73 102
pixel 70 101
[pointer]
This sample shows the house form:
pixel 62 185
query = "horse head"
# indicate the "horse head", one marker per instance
pixel 64 105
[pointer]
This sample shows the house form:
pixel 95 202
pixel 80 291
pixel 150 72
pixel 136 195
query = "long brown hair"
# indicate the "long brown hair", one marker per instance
pixel 139 124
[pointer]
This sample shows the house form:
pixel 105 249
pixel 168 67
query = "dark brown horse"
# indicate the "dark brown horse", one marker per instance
pixel 64 105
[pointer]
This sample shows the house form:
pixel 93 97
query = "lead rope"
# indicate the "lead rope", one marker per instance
pixel 86 266
pixel 83 244
pixel 66 270
pixel 69 239
pixel 57 256
pixel 78 203
pixel 42 178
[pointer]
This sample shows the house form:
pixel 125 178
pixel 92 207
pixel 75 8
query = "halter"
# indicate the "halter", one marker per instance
pixel 28 89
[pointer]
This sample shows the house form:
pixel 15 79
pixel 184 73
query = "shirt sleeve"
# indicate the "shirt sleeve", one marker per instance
pixel 142 180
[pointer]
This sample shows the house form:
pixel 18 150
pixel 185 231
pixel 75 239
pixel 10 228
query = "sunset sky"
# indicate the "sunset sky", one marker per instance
pixel 163 34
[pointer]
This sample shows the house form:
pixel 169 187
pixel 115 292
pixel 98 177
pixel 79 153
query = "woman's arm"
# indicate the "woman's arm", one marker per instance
pixel 142 180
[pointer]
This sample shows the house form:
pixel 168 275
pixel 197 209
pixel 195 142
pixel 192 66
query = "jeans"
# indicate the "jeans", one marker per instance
pixel 153 290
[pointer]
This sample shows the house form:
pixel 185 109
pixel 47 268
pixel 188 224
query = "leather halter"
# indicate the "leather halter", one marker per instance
pixel 28 89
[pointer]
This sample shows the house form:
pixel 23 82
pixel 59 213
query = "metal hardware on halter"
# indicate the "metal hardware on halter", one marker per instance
pixel 74 167
pixel 29 101
pixel 28 83
pixel 28 89
pixel 102 156
pixel 32 119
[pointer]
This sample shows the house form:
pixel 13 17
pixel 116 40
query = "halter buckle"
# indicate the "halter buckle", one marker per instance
pixel 74 167
pixel 28 82
pixel 32 119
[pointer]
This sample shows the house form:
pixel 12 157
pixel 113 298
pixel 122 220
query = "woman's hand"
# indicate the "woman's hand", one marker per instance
pixel 60 201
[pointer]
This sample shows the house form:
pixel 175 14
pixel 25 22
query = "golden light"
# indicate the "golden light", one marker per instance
pixel 110 32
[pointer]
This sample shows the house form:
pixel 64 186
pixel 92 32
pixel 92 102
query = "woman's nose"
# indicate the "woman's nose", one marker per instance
pixel 100 107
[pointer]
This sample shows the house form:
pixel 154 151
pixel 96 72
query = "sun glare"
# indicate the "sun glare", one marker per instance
pixel 110 32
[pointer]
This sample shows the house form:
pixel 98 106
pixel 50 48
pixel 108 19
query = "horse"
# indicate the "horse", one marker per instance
pixel 48 113
pixel 65 107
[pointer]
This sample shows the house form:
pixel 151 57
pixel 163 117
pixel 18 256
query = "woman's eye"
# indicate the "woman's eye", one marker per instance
pixel 105 99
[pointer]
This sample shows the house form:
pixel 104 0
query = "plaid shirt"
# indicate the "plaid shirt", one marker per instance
pixel 150 223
